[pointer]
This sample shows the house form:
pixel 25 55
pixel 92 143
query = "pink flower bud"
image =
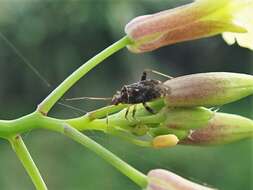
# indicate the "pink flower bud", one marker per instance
pixel 160 179
pixel 208 89
pixel 222 128
pixel 200 19
pixel 200 126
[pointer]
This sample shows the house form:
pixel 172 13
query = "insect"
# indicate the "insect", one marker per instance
pixel 140 92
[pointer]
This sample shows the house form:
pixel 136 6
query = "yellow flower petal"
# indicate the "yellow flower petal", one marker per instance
pixel 243 18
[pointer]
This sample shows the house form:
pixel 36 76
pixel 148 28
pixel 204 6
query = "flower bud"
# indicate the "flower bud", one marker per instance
pixel 160 179
pixel 207 89
pixel 178 121
pixel 221 129
pixel 199 19
pixel 187 118
pixel 165 141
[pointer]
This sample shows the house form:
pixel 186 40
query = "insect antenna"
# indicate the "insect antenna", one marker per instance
pixel 93 98
pixel 158 73
pixel 89 98
pixel 72 108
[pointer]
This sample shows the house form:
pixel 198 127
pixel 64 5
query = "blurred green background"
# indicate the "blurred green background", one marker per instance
pixel 56 37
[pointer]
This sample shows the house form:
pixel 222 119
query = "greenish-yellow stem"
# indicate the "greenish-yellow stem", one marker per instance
pixel 45 106
pixel 135 175
pixel 27 161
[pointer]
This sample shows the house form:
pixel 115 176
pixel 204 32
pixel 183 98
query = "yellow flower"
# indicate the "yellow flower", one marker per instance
pixel 245 19
pixel 202 18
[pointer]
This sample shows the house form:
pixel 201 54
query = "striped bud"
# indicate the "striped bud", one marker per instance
pixel 221 129
pixel 179 121
pixel 201 126
pixel 207 89
pixel 187 118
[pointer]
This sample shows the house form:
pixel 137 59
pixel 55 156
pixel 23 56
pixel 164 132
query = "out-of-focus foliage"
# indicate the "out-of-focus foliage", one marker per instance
pixel 58 36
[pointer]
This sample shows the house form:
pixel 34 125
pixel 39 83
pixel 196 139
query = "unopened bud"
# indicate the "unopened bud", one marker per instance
pixel 160 179
pixel 165 141
pixel 179 121
pixel 208 89
pixel 187 118
pixel 222 128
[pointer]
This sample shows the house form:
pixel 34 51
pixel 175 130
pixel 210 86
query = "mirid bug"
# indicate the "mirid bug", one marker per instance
pixel 141 92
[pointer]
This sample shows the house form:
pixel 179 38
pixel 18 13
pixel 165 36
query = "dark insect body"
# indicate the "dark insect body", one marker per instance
pixel 141 92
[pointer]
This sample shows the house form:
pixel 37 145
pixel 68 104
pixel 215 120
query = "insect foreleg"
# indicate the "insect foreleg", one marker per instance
pixel 149 109
pixel 144 76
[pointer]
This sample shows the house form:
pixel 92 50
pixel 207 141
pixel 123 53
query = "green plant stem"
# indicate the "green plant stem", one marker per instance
pixel 92 121
pixel 45 106
pixel 27 161
pixel 105 111
pixel 26 123
pixel 135 175
pixel 36 120
pixel 129 137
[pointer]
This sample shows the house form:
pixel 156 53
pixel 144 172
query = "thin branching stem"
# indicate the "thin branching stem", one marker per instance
pixel 57 93
pixel 135 175
pixel 24 156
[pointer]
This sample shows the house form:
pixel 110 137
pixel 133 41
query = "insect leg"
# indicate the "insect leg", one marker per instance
pixel 149 109
pixel 127 111
pixel 89 98
pixel 158 73
pixel 144 76
pixel 107 121
pixel 134 111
